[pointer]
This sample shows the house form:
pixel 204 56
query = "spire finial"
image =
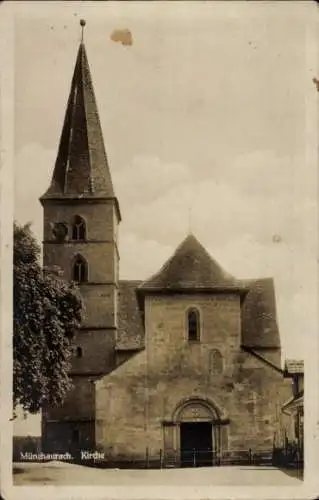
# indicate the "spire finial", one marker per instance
pixel 82 24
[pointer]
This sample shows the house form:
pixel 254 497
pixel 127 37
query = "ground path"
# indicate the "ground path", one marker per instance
pixel 63 474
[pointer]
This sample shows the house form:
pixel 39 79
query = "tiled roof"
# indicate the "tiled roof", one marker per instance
pixel 294 402
pixel 191 267
pixel 259 317
pixel 130 330
pixel 259 320
pixel 293 366
pixel 81 167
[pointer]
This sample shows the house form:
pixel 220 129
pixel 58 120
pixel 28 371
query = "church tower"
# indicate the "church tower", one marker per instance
pixel 81 218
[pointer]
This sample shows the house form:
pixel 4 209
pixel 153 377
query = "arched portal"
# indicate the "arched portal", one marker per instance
pixel 193 436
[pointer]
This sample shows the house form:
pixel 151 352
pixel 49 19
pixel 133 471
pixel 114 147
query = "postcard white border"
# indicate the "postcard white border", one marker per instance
pixel 310 486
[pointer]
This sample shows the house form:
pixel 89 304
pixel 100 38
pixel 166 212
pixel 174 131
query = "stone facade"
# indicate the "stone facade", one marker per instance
pixel 97 337
pixel 138 406
pixel 190 357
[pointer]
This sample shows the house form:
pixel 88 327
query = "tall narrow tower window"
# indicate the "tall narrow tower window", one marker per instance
pixel 78 229
pixel 193 324
pixel 80 270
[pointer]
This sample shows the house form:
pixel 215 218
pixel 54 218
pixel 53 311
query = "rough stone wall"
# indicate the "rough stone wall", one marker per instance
pixel 133 401
pixel 98 351
pixel 99 250
pixel 100 306
pixel 98 335
pixel 58 437
pixel 120 428
pixel 103 216
pixel 80 402
pixel 76 414
pixel 99 257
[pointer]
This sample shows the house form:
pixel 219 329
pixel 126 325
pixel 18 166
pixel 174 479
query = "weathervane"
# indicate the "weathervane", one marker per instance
pixel 82 23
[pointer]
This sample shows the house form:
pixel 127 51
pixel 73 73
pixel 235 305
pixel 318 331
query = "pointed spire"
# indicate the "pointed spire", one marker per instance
pixel 81 168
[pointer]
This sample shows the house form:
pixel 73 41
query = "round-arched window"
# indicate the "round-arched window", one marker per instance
pixel 193 325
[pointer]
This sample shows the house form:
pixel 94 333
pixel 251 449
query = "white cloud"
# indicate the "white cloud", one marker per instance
pixel 140 257
pixel 236 221
pixel 234 216
pixel 223 205
pixel 146 178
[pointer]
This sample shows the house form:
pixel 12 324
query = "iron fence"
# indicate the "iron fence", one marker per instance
pixel 290 456
pixel 205 458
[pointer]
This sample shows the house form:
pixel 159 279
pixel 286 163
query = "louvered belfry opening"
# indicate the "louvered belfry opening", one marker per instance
pixel 80 270
pixel 78 229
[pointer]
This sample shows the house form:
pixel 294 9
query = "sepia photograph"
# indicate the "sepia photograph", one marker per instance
pixel 165 245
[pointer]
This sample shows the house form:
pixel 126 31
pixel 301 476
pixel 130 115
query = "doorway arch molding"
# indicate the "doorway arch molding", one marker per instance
pixel 198 407
pixel 208 413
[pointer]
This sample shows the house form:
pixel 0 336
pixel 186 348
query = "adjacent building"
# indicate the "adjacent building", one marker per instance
pixel 294 370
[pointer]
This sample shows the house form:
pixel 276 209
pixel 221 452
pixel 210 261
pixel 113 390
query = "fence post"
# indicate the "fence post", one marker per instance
pixel 194 457
pixel 249 456
pixel 147 458
pixel 161 459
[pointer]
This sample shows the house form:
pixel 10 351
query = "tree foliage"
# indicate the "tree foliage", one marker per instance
pixel 47 312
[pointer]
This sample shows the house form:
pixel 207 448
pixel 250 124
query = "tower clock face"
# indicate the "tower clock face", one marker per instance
pixel 60 231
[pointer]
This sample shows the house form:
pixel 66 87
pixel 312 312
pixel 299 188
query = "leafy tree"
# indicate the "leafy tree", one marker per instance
pixel 47 311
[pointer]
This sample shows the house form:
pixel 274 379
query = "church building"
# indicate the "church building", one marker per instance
pixel 184 364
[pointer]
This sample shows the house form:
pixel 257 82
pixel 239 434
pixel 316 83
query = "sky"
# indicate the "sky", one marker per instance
pixel 208 125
